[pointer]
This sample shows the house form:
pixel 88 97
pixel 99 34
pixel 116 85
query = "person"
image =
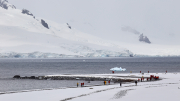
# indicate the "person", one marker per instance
pixel 120 84
pixel 136 83
pixel 77 84
pixel 109 82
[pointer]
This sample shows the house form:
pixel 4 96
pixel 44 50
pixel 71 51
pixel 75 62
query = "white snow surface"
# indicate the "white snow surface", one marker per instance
pixel 166 89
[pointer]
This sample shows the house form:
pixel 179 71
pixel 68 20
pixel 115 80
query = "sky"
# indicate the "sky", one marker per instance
pixel 157 19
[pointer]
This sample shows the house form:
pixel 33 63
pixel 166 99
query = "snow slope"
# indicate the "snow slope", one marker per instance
pixel 24 36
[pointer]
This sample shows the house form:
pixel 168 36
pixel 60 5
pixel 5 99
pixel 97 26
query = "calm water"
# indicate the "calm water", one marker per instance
pixel 40 67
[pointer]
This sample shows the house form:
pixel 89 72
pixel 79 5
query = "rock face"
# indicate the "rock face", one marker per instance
pixel 44 23
pixel 4 4
pixel 25 11
pixel 144 38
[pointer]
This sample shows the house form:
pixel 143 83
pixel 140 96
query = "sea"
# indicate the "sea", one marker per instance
pixel 42 67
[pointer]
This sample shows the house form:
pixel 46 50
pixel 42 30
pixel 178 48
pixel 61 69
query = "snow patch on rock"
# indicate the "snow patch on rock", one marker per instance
pixel 25 11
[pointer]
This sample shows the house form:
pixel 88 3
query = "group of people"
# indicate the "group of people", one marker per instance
pixel 82 84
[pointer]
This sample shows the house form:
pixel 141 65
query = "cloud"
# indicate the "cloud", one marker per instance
pixel 129 29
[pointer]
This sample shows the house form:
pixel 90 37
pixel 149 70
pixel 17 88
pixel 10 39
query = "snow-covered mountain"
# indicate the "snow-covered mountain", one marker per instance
pixel 24 35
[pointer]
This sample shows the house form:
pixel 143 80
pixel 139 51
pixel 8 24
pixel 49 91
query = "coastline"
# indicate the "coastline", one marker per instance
pixel 165 89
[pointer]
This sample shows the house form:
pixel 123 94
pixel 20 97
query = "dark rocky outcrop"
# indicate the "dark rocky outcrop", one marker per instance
pixel 4 4
pixel 131 55
pixel 44 24
pixel 144 38
pixel 25 11
pixel 69 26
pixel 17 76
pixel 32 77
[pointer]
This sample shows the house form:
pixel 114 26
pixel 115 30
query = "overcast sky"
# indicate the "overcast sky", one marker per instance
pixel 154 18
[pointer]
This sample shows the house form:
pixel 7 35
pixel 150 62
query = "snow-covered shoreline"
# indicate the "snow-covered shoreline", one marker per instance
pixel 166 89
